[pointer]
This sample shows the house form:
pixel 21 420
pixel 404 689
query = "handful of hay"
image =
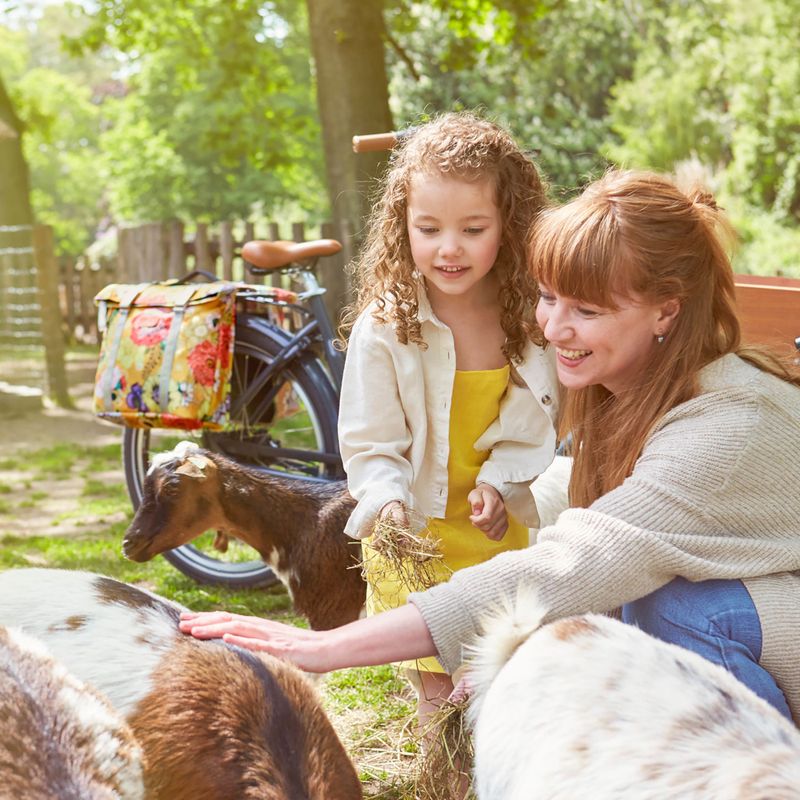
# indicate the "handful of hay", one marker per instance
pixel 445 768
pixel 403 548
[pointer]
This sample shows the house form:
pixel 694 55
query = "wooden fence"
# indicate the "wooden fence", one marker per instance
pixel 159 251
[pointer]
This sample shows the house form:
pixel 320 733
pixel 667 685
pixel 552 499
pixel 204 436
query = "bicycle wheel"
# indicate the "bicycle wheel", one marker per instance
pixel 299 441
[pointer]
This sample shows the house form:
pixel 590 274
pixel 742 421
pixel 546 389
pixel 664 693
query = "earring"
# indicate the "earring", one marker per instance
pixel 660 338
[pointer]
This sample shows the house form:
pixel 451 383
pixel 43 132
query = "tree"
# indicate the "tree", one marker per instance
pixel 218 117
pixel 347 41
pixel 58 97
pixel 15 205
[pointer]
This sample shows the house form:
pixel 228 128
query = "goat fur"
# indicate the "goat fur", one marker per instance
pixel 59 737
pixel 213 721
pixel 591 707
pixel 297 526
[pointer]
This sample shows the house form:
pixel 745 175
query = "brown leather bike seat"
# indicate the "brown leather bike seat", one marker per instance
pixel 274 255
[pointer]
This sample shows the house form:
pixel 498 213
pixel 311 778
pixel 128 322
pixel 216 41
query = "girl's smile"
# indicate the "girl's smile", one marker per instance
pixel 454 229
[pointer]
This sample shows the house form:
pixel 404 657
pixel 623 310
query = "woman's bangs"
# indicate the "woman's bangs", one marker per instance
pixel 573 258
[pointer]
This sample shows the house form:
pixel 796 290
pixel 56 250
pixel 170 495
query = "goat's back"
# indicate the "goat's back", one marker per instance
pixel 58 737
pixel 213 720
pixel 591 707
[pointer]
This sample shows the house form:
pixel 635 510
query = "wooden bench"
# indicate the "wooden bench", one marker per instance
pixel 769 310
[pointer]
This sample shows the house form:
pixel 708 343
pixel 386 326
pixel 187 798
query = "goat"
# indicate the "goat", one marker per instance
pixel 591 707
pixel 297 526
pixel 58 737
pixel 213 721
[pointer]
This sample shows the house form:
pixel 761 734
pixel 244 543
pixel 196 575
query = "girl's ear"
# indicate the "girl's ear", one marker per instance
pixel 669 310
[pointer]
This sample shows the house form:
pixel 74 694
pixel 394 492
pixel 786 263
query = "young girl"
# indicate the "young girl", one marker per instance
pixel 449 400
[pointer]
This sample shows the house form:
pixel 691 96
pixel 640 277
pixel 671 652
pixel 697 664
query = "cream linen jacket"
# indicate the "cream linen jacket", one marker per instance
pixel 394 421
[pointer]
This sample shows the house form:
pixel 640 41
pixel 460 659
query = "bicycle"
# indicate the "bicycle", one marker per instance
pixel 284 400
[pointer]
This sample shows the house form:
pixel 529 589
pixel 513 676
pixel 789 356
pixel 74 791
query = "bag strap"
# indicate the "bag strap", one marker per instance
pixel 179 303
pixel 127 296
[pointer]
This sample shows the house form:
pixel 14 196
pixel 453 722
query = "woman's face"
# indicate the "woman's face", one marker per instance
pixel 595 345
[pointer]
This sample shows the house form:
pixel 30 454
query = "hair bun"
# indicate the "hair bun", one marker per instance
pixel 702 197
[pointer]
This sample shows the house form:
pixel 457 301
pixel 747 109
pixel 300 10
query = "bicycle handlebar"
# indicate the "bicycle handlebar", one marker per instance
pixel 372 142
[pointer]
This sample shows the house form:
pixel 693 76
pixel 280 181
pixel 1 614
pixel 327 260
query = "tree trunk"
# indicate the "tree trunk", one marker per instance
pixel 347 42
pixel 15 206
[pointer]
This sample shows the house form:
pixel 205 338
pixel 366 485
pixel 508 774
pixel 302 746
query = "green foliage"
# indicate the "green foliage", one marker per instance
pixel 205 110
pixel 62 121
pixel 718 81
pixel 545 70
pixel 219 115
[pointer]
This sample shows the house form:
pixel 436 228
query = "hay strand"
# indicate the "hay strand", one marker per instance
pixel 404 551
pixel 445 768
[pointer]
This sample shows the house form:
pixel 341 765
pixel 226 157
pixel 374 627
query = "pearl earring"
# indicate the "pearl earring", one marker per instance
pixel 660 338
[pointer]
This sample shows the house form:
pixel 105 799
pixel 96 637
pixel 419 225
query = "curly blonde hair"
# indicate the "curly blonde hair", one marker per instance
pixel 459 145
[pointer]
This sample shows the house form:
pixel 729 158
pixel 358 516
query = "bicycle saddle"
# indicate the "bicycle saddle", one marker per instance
pixel 274 255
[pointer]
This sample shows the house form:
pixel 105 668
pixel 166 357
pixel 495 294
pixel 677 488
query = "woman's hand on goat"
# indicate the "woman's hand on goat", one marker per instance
pixel 304 648
pixel 488 511
pixel 396 635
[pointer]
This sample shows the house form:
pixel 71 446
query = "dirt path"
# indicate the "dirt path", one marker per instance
pixel 30 503
pixel 35 430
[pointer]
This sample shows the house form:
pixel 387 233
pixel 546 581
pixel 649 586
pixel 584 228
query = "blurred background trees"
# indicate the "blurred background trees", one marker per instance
pixel 149 110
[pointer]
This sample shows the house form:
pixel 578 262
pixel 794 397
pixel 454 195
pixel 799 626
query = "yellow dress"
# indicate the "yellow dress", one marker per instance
pixel 475 405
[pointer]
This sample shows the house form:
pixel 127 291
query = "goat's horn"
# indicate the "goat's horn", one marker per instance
pixel 194 467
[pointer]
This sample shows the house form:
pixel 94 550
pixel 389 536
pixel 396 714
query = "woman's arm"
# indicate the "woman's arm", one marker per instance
pixel 396 635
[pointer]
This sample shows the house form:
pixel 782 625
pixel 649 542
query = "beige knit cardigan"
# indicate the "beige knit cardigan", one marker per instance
pixel 715 494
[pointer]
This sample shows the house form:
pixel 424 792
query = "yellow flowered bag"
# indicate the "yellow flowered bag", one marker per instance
pixel 166 355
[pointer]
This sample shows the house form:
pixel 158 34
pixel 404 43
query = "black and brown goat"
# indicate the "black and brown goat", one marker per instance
pixel 297 526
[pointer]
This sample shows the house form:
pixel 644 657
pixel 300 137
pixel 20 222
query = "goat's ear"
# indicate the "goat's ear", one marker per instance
pixel 195 467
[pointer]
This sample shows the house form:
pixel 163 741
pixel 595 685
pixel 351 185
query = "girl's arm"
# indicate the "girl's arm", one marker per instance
pixel 396 635
pixel 373 433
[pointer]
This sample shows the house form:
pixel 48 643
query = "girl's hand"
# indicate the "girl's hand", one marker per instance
pixel 307 649
pixel 395 511
pixel 488 511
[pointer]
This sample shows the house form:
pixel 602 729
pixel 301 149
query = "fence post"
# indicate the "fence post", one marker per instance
pixel 202 254
pixel 68 280
pixel 177 253
pixel 47 279
pixel 226 250
pixel 333 277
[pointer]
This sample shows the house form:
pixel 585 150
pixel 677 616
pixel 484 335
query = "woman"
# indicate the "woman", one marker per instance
pixel 686 470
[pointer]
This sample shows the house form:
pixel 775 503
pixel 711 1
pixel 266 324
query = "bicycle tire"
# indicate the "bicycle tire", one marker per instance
pixel 252 441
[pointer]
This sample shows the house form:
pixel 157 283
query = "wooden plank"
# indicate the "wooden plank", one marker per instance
pixel 47 282
pixel 226 249
pixel 769 310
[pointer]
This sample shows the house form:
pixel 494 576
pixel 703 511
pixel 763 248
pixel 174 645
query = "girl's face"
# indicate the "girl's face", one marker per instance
pixel 455 230
pixel 595 345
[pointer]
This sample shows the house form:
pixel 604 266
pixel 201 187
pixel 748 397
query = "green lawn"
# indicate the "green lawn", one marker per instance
pixel 370 707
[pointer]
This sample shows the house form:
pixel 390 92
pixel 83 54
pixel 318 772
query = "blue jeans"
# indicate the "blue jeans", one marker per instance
pixel 715 619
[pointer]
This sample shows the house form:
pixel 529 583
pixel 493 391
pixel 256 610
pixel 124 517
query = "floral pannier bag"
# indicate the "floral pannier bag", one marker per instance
pixel 166 355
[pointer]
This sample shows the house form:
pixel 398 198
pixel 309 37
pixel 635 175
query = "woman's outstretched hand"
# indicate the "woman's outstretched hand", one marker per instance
pixel 304 648
pixel 399 634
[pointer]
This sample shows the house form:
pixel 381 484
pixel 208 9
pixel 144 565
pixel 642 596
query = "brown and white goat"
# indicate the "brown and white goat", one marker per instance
pixel 591 707
pixel 59 737
pixel 297 526
pixel 213 721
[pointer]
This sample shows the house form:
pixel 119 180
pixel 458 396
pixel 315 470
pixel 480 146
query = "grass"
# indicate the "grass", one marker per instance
pixel 370 707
